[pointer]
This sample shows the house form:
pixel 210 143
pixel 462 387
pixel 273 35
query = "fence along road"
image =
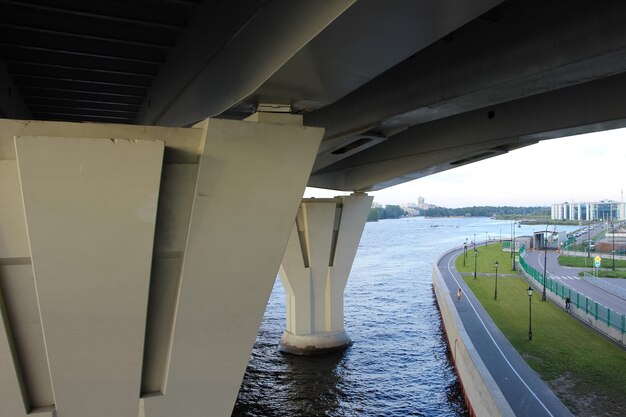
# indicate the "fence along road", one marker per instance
pixel 596 302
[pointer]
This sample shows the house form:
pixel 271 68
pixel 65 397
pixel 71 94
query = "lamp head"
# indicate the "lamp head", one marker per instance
pixel 530 291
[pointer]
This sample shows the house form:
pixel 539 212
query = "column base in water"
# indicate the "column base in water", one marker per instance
pixel 314 344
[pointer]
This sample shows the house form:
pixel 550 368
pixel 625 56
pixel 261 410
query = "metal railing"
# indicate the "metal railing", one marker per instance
pixel 580 301
pixel 606 286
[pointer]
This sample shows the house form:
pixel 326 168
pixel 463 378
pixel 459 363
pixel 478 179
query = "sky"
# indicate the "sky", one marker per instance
pixel 589 167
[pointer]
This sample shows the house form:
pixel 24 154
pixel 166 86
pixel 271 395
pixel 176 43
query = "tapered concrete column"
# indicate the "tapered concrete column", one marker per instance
pixel 315 269
pixel 77 224
pixel 136 262
pixel 250 180
pixel 90 212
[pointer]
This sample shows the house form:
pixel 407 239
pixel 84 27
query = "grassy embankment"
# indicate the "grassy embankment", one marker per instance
pixel 606 265
pixel 584 369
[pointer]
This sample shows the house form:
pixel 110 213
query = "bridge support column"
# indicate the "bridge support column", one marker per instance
pixel 315 269
pixel 136 262
pixel 250 180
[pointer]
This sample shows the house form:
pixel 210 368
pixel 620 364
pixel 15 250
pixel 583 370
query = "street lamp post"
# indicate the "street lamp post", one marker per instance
pixel 475 254
pixel 545 262
pixel 511 242
pixel 513 247
pixel 613 230
pixel 530 306
pixel 464 252
pixel 495 293
pixel 589 239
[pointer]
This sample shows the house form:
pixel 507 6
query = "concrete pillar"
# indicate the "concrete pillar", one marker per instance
pixel 136 262
pixel 251 177
pixel 90 209
pixel 315 270
pixel 77 225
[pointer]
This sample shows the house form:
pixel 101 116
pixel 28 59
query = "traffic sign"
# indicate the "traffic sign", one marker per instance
pixel 597 261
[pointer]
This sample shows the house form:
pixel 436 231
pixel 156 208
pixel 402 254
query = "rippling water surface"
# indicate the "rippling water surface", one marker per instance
pixel 398 365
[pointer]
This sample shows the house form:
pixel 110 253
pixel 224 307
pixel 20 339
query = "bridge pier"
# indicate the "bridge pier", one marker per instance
pixel 136 262
pixel 315 270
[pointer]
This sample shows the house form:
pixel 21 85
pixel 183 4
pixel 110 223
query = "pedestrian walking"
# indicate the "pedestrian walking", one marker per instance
pixel 567 303
pixel 459 293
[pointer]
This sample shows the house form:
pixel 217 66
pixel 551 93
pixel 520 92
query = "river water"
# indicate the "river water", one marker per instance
pixel 398 364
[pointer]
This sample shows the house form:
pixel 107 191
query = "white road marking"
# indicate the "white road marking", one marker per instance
pixel 496 344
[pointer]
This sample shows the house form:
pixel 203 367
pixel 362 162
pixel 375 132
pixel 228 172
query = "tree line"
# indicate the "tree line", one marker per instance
pixel 388 212
pixel 485 211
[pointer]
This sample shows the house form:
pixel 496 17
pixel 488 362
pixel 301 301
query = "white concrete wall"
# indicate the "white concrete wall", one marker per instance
pixel 482 392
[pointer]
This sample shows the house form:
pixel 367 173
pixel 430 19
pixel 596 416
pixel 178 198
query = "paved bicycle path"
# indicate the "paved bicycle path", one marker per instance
pixel 524 390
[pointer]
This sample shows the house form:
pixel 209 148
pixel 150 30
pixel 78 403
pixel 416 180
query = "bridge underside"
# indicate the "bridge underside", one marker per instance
pixel 403 89
pixel 155 165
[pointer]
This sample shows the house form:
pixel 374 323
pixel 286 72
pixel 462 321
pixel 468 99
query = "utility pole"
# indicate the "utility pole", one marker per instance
pixel 613 230
pixel 475 254
pixel 545 262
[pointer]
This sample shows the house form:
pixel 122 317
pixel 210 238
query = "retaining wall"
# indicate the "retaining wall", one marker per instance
pixel 482 395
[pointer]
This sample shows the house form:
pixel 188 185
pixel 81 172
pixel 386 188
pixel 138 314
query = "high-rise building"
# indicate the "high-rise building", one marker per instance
pixel 603 210
pixel 421 203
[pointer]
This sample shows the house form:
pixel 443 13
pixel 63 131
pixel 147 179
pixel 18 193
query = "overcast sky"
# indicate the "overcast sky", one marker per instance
pixel 588 167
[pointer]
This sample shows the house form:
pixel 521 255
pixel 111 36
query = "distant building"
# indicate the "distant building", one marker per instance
pixel 604 210
pixel 411 209
pixel 422 205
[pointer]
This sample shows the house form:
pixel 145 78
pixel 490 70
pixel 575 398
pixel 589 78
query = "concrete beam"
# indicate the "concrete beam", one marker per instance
pixel 527 48
pixel 340 59
pixel 197 82
pixel 465 138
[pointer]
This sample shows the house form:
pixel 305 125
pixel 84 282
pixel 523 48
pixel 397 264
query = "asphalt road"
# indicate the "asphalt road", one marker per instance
pixel 526 393
pixel 569 277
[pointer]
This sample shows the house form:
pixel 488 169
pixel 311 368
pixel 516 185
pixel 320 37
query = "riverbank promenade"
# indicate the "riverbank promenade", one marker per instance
pixel 495 373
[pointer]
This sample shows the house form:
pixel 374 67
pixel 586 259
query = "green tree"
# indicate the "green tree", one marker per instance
pixel 392 212
pixel 373 215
